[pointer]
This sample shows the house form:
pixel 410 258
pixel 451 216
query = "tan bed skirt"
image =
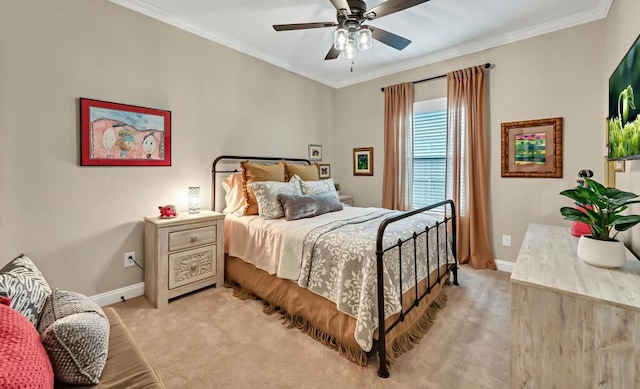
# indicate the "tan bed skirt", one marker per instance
pixel 319 317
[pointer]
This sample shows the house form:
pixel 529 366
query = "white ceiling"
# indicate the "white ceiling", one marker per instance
pixel 438 29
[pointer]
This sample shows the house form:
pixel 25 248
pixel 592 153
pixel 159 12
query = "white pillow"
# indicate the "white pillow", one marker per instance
pixel 267 192
pixel 234 193
pixel 317 187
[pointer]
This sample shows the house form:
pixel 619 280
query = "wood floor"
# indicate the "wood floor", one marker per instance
pixel 210 339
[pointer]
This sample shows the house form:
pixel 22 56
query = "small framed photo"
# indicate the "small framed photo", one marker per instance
pixel 315 152
pixel 363 161
pixel 325 170
pixel 113 134
pixel 618 166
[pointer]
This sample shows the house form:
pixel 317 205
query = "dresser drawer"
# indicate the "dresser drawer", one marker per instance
pixel 180 240
pixel 193 265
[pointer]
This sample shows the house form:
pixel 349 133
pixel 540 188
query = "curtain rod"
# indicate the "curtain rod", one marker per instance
pixel 486 66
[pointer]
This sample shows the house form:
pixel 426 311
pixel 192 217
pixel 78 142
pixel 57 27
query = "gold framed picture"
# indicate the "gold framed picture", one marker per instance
pixel 618 166
pixel 532 148
pixel 363 161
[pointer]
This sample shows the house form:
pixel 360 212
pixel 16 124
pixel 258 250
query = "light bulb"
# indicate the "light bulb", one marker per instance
pixel 340 38
pixel 350 51
pixel 363 37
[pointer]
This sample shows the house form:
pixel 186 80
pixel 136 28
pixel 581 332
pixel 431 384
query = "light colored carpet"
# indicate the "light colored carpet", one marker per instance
pixel 210 339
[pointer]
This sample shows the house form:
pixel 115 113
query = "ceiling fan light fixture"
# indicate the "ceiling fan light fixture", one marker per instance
pixel 364 38
pixel 350 50
pixel 340 39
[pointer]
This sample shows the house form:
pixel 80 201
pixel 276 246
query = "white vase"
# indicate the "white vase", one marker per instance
pixel 601 253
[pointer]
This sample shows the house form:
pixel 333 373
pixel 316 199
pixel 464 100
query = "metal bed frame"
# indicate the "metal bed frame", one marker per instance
pixel 449 220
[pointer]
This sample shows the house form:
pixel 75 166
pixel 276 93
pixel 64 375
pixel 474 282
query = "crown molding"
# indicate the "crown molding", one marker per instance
pixel 457 51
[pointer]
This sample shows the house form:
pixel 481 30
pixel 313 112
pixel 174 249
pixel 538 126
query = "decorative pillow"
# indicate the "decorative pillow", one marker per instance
pixel 234 193
pixel 298 207
pixel 316 187
pixel 305 172
pixel 267 192
pixel 22 282
pixel 254 172
pixel 75 333
pixel 23 361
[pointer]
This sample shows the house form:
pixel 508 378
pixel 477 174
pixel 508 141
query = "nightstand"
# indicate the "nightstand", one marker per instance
pixel 182 254
pixel 346 200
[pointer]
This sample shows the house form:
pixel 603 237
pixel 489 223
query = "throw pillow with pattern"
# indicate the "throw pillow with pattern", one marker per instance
pixel 75 333
pixel 22 282
pixel 317 187
pixel 267 192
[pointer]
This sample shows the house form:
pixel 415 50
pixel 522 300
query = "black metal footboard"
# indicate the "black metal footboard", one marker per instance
pixel 450 231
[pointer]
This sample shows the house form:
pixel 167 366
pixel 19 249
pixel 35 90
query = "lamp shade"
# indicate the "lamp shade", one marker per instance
pixel 350 50
pixel 364 39
pixel 194 199
pixel 340 38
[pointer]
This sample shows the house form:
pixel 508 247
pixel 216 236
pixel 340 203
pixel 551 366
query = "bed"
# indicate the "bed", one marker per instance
pixel 321 273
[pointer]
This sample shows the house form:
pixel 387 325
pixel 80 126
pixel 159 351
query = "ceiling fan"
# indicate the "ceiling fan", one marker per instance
pixel 352 35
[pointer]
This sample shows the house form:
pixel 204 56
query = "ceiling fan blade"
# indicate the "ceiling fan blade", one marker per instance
pixel 342 6
pixel 391 6
pixel 389 38
pixel 332 54
pixel 302 26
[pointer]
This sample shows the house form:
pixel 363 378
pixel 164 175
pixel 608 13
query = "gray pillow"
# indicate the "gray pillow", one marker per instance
pixel 266 193
pixel 75 333
pixel 301 206
pixel 22 282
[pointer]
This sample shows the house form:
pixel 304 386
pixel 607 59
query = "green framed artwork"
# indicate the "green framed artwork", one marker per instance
pixel 363 161
pixel 532 148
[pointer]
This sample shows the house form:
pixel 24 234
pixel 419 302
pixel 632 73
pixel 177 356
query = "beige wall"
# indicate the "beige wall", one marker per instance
pixel 77 222
pixel 558 74
pixel 621 30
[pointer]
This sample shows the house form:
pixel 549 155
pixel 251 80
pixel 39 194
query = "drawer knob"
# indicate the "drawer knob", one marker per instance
pixel 193 239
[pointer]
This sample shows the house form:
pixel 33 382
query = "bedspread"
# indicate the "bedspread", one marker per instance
pixel 339 263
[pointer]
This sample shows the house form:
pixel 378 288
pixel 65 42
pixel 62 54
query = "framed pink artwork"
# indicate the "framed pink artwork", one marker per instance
pixel 113 134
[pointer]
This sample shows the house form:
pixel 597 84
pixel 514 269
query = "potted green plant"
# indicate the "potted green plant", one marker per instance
pixel 601 209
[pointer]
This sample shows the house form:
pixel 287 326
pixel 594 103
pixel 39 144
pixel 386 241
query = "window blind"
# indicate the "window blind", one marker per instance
pixel 429 154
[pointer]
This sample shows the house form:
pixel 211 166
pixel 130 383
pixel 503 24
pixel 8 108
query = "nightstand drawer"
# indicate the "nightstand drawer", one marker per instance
pixel 192 238
pixel 182 254
pixel 189 266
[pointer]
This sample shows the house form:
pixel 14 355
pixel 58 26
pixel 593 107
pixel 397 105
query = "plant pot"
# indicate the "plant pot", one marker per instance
pixel 601 253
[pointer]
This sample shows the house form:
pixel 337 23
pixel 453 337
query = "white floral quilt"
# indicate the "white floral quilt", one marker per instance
pixel 338 262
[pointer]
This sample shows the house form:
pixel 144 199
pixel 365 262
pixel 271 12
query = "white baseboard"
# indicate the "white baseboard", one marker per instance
pixel 506 266
pixel 115 296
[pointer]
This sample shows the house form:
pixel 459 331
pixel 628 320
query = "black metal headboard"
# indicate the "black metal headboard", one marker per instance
pixel 227 164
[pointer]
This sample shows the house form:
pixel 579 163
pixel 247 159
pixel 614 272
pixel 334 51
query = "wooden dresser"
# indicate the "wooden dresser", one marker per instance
pixel 182 254
pixel 573 325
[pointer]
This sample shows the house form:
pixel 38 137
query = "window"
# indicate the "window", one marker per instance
pixel 429 151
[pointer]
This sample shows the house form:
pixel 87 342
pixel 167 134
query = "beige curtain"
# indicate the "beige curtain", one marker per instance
pixel 467 164
pixel 398 147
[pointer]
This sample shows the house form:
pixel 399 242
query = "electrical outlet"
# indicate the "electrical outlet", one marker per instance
pixel 129 258
pixel 506 240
